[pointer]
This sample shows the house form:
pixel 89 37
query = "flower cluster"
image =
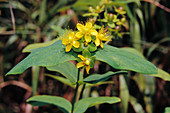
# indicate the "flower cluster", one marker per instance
pixel 114 18
pixel 85 41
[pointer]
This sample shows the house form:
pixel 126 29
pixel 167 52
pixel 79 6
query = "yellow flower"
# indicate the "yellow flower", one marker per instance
pixel 70 40
pixel 101 36
pixel 85 30
pixel 85 62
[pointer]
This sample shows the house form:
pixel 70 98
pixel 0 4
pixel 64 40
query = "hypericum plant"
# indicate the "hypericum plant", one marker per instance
pixel 114 18
pixel 85 46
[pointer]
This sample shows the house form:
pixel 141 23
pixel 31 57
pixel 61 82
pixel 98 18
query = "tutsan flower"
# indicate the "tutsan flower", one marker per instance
pixel 86 30
pixel 70 40
pixel 85 62
pixel 101 36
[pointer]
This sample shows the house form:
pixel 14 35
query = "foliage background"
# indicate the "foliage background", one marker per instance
pixel 25 22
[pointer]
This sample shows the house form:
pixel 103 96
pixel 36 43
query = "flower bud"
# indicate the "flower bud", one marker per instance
pixel 98 8
pixel 91 20
pixel 120 8
pixel 123 20
pixel 90 9
pixel 110 16
pixel 118 28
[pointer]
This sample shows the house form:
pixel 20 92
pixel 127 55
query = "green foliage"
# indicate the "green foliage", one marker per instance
pixel 120 59
pixel 45 56
pixel 37 25
pixel 82 105
pixel 68 70
pixel 124 94
pixel 133 50
pixel 62 79
pixel 63 104
pixel 55 54
pixel 137 106
pixel 31 47
pixel 95 78
pixel 162 74
pixel 80 5
pixel 167 110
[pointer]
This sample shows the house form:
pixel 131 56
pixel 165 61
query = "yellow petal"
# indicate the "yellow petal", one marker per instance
pixel 79 35
pixel 76 44
pixel 80 27
pixel 101 36
pixel 87 69
pixel 97 42
pixel 88 25
pixel 105 38
pixel 71 36
pixel 65 41
pixel 101 44
pixel 88 38
pixel 80 64
pixel 93 32
pixel 68 47
pixel 82 57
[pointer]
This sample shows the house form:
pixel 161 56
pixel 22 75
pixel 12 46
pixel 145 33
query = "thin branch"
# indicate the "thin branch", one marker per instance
pixel 12 17
pixel 158 4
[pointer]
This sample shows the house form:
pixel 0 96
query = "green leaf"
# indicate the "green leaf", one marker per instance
pixel 31 47
pixel 19 5
pixel 80 48
pixel 121 59
pixel 63 104
pixel 102 20
pixel 61 79
pixel 112 25
pixel 99 83
pixel 92 60
pixel 123 2
pixel 82 105
pixel 59 29
pixel 133 50
pixel 56 7
pixel 162 74
pixel 90 14
pixel 43 14
pixel 45 56
pixel 136 106
pixel 68 70
pixel 167 110
pixel 97 26
pixel 92 47
pixel 124 94
pixel 157 45
pixel 86 53
pixel 136 36
pixel 95 78
pixel 84 4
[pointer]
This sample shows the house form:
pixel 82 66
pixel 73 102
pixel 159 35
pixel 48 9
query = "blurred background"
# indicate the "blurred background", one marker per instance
pixel 24 22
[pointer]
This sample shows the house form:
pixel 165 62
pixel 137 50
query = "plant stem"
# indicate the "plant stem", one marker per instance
pixel 84 85
pixel 75 93
pixel 81 94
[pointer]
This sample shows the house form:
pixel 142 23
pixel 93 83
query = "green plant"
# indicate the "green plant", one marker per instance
pixel 83 46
